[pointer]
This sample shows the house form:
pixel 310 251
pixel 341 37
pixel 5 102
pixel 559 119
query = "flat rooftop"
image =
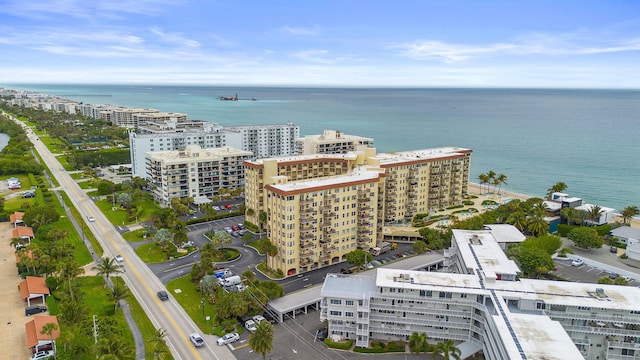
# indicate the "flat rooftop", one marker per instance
pixel 425 154
pixel 359 174
pixel 480 249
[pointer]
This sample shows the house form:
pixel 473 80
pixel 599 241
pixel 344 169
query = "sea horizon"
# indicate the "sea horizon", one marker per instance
pixel 535 136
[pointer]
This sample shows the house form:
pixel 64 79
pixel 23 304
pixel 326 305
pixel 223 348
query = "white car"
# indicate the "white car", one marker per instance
pixel 258 319
pixel 196 339
pixel 91 219
pixel 577 262
pixel 119 258
pixel 228 339
pixel 250 325
pixel 42 355
pixel 627 278
pixel 216 208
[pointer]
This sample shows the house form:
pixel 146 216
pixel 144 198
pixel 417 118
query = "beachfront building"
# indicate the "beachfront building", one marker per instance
pixel 331 142
pixel 485 307
pixel 315 223
pixel 262 141
pixel 194 172
pixel 403 183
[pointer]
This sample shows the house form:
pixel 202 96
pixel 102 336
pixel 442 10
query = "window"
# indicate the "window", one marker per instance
pixel 349 302
pixel 336 313
pixel 348 314
pixel 336 302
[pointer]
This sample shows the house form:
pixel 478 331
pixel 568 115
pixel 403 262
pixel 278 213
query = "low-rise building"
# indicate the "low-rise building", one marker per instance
pixel 485 307
pixel 331 142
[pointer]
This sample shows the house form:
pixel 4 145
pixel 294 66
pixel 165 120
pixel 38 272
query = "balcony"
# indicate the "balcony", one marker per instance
pixel 306 236
pixel 306 254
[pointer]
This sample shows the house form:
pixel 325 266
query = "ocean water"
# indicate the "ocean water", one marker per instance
pixel 587 139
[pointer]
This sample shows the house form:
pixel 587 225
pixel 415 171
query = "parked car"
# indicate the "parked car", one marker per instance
pixel 577 262
pixel 250 325
pixel 227 206
pixel 42 355
pixel 614 249
pixel 322 333
pixel 163 295
pixel 35 309
pixel 228 230
pixel 627 278
pixel 196 339
pixel 613 276
pixel 187 244
pixel 216 208
pixel 241 227
pixel 228 338
pixel 119 258
pixel 235 234
pixel 258 318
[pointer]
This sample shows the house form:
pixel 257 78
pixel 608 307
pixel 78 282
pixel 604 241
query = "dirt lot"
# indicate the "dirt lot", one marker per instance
pixel 13 341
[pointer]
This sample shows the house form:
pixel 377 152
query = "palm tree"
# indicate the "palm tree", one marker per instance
pixel 67 270
pixel 518 219
pixel 447 349
pixel 262 219
pixel 569 213
pixel 491 175
pixel 261 341
pixel 107 267
pixel 627 213
pixel 117 294
pixel 557 187
pixel 484 179
pixel 158 345
pixel 48 329
pixel 594 214
pixel 418 343
pixel 114 345
pixel 501 179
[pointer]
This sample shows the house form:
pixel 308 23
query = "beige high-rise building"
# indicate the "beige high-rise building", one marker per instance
pixel 194 172
pixel 297 196
pixel 331 142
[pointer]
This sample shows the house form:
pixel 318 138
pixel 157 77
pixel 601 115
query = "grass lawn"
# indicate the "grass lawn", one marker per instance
pixel 151 253
pixel 53 144
pixel 86 184
pixel 88 235
pixel 119 216
pixel 135 236
pixel 190 300
pixel 254 244
pixel 78 176
pixel 65 164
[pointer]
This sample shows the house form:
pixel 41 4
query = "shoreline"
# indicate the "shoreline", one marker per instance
pixel 474 189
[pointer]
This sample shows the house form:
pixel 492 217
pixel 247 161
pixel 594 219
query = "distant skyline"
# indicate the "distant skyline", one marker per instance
pixel 458 43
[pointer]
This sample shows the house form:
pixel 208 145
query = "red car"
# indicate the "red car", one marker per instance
pixel 227 206
pixel 235 228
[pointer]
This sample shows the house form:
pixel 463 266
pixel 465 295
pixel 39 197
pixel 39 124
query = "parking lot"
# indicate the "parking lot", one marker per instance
pixel 584 273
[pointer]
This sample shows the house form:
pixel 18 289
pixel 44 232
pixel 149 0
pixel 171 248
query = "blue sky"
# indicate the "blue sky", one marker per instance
pixel 570 44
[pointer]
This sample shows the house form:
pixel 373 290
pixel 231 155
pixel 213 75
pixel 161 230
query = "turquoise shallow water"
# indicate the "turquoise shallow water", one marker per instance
pixel 537 137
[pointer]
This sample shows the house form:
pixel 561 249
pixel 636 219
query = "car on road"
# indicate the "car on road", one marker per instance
pixel 91 219
pixel 42 355
pixel 577 262
pixel 163 295
pixel 196 339
pixel 119 258
pixel 228 338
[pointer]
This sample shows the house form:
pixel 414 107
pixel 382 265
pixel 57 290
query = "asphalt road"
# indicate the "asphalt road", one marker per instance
pixel 141 281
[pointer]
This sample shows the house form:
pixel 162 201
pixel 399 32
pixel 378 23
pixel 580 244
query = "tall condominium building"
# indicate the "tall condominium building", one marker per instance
pixel 404 184
pixel 315 223
pixel 487 308
pixel 331 142
pixel 261 140
pixel 194 172
pixel 416 181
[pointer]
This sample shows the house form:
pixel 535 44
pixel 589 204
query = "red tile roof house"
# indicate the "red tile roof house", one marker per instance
pixel 23 232
pixel 37 341
pixel 16 218
pixel 33 287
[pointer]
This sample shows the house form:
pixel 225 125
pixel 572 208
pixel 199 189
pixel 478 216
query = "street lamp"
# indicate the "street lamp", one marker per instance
pixel 202 298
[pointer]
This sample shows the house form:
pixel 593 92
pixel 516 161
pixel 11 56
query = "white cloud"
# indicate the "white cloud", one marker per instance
pixel 174 38
pixel 301 31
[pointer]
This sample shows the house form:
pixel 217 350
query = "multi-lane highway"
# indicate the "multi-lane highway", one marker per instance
pixel 142 283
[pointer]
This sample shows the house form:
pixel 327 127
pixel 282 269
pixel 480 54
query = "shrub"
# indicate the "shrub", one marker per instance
pixel 603 229
pixel 342 345
pixel 468 202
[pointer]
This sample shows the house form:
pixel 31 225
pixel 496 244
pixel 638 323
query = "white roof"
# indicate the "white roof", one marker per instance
pixel 479 249
pixel 505 233
pixel 425 154
pixel 588 207
pixel 425 280
pixel 552 205
pixel 540 337
pixel 294 158
pixel 358 174
pixel 626 232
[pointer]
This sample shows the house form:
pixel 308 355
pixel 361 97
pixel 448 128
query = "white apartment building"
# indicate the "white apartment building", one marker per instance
pixel 194 172
pixel 331 142
pixel 486 308
pixel 261 140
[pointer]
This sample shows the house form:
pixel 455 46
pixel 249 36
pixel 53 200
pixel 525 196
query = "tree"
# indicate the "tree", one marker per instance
pixel 209 284
pixel 67 270
pixel 261 341
pixel 628 213
pixel 358 257
pixel 569 213
pixel 163 237
pixel 594 213
pixel 124 199
pixel 447 349
pixel 40 215
pixel 73 313
pixel 115 346
pixel 500 180
pixel 48 329
pixel 106 267
pixel 549 243
pixel 419 247
pixel 158 345
pixel 557 187
pixel 220 239
pixel 262 218
pixel 533 260
pixel 418 343
pixel 518 219
pixel 483 179
pixel 585 237
pixel 117 294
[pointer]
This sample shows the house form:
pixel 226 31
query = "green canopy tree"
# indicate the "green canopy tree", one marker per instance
pixel 419 247
pixel 585 237
pixel 532 260
pixel 358 257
